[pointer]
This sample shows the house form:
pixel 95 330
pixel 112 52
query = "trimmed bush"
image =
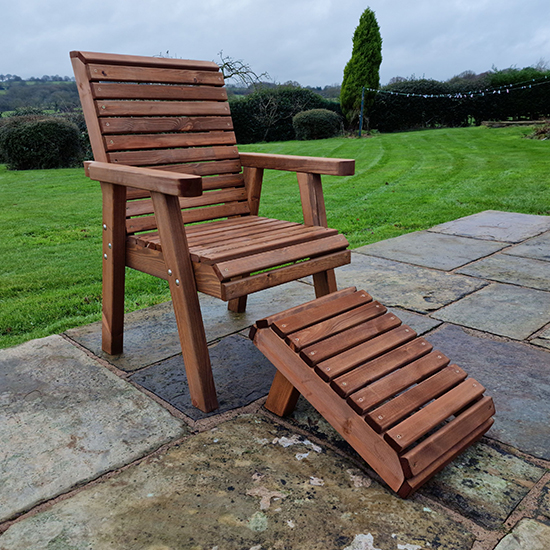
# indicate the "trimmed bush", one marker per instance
pixel 317 124
pixel 35 143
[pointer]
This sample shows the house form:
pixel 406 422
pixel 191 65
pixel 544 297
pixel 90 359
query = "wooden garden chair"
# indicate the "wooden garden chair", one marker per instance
pixel 181 203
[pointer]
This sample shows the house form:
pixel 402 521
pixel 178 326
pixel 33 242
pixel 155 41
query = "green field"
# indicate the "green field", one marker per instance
pixel 50 279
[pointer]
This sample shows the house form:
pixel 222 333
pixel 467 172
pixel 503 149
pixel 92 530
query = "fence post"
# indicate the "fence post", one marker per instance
pixel 362 105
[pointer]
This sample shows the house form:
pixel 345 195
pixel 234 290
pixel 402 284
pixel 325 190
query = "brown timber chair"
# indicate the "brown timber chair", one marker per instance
pixel 166 156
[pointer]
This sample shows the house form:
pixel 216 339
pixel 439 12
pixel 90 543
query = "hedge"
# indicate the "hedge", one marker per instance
pixel 266 115
pixel 34 142
pixel 317 124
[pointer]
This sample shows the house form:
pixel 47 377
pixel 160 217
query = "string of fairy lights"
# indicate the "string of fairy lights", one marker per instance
pixel 470 94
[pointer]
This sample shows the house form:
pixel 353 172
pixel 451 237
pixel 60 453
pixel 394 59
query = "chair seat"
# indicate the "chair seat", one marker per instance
pixel 235 257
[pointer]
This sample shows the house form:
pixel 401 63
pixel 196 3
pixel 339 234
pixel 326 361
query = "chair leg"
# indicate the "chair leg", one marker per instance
pixel 185 300
pixel 114 266
pixel 237 305
pixel 282 397
pixel 324 283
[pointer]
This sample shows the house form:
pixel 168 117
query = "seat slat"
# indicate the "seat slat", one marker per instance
pixel 322 311
pixel 342 341
pixel 414 427
pixel 408 371
pixel 249 245
pixel 267 260
pixel 235 231
pixel 113 108
pixel 116 90
pixel 336 366
pixel 119 73
pixel 400 407
pixel 339 323
pixel 209 231
pixel 260 281
pixel 421 456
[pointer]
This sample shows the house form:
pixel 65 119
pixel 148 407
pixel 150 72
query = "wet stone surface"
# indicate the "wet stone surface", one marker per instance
pixel 542 339
pixel 505 310
pixel 512 269
pixel 484 484
pixel 241 375
pixel 527 535
pixel 496 226
pixel 515 375
pixel 544 502
pixel 151 335
pixel 537 248
pixel 400 285
pixel 247 484
pixel 65 420
pixel 435 250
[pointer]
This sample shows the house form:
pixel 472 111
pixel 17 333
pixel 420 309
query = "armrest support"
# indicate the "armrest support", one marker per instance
pixel 294 163
pixel 169 183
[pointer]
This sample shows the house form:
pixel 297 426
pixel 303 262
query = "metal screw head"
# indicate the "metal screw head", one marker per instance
pixel 312 353
pixel 328 369
pixel 398 436
pixel 344 383
pixel 110 245
pixel 104 227
pixel 170 272
pixel 380 417
pixel 177 282
pixel 361 399
pixel 105 256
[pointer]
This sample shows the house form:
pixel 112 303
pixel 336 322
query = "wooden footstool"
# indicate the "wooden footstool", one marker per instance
pixel 398 402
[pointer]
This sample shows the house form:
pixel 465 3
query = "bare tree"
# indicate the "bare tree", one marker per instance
pixel 239 70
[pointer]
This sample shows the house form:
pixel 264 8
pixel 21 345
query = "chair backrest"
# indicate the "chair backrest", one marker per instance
pixel 170 114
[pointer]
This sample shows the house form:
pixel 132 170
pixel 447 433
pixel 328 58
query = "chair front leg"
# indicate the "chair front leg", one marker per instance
pixel 185 301
pixel 114 267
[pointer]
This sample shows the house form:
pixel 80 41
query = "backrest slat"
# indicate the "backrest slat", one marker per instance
pixel 164 124
pixel 170 114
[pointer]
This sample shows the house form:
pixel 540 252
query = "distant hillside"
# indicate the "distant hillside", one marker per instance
pixel 48 93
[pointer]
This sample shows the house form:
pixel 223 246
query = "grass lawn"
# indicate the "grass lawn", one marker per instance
pixel 50 279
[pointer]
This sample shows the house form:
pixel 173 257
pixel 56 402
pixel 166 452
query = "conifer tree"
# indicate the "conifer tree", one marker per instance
pixel 363 69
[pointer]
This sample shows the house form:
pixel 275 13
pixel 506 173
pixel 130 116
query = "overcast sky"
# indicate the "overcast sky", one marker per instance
pixel 308 41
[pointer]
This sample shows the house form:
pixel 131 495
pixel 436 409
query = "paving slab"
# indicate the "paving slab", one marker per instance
pixel 484 484
pixel 537 248
pixel 516 376
pixel 501 309
pixel 396 284
pixel 542 339
pixel 249 484
pixel 493 225
pixel 151 334
pixel 419 323
pixel 241 374
pixel 436 250
pixel 544 502
pixel 529 534
pixel 65 420
pixel 516 270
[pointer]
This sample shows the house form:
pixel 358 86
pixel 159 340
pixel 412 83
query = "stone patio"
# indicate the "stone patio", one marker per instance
pixel 107 452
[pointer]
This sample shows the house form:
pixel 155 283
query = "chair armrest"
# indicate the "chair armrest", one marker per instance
pixel 169 183
pixel 294 163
